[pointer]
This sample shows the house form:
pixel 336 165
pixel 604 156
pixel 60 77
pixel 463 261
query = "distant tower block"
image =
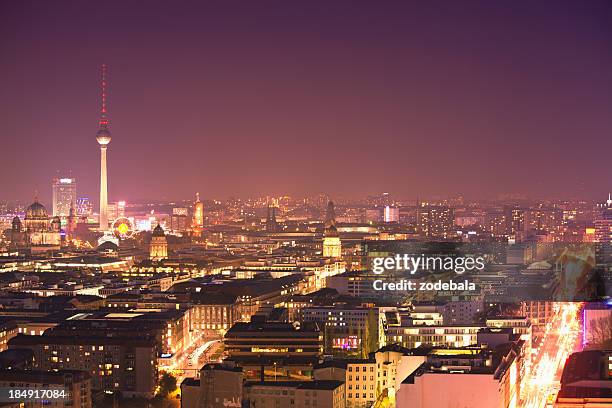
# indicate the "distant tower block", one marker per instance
pixel 159 244
pixel 103 137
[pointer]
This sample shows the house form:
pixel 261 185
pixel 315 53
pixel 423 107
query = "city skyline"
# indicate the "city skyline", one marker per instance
pixel 405 98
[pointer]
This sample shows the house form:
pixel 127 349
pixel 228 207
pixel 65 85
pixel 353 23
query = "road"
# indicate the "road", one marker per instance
pixel 561 338
pixel 189 362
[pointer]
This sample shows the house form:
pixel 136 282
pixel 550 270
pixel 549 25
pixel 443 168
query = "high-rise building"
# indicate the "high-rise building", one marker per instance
pixel 603 222
pixel 64 194
pixel 103 137
pixel 436 221
pixel 84 207
pixel 115 210
pixel 179 221
pixel 391 214
pixel 515 220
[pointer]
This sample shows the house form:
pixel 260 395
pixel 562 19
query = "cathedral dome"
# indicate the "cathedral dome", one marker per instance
pixel 36 211
pixel 331 231
pixel 158 231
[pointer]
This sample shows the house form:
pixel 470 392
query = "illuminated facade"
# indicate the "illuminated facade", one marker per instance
pixel 198 213
pixel 128 365
pixel 159 244
pixel 436 221
pixel 603 222
pixel 64 195
pixel 478 377
pixel 281 347
pixel 38 228
pixel 332 246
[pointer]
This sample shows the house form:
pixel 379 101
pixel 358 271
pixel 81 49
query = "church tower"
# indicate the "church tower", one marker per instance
pixel 271 223
pixel 332 246
pixel 159 245
pixel 198 215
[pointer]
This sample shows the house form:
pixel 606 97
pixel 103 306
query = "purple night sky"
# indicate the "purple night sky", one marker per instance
pixel 348 98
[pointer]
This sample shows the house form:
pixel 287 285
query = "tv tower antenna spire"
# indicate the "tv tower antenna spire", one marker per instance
pixel 103 137
pixel 103 86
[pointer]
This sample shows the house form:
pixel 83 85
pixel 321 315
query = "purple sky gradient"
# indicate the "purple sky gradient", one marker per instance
pixel 347 98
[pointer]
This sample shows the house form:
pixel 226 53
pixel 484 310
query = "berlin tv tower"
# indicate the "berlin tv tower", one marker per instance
pixel 103 137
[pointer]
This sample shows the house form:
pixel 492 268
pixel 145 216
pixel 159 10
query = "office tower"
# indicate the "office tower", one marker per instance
pixel 436 221
pixel 515 220
pixel 115 210
pixel 179 222
pixel 603 222
pixel 390 214
pixel 103 137
pixel 120 209
pixel 84 207
pixel 64 194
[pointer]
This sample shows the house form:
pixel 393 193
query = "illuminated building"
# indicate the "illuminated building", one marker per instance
pixel 77 385
pixel 84 207
pixel 38 228
pixel 271 223
pixel 358 375
pixel 603 222
pixel 332 246
pixel 169 328
pixel 347 328
pixel 283 348
pixel 295 394
pixel 103 137
pixel 179 221
pixel 436 221
pixel 124 364
pixel 71 225
pixel 198 214
pixel 372 215
pixel 213 314
pixel 158 249
pixel 219 386
pixel 16 235
pixel 515 220
pixel 63 194
pixel 391 214
pixel 597 325
pixel 520 325
pixel 116 210
pixel 478 377
pixel 586 380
